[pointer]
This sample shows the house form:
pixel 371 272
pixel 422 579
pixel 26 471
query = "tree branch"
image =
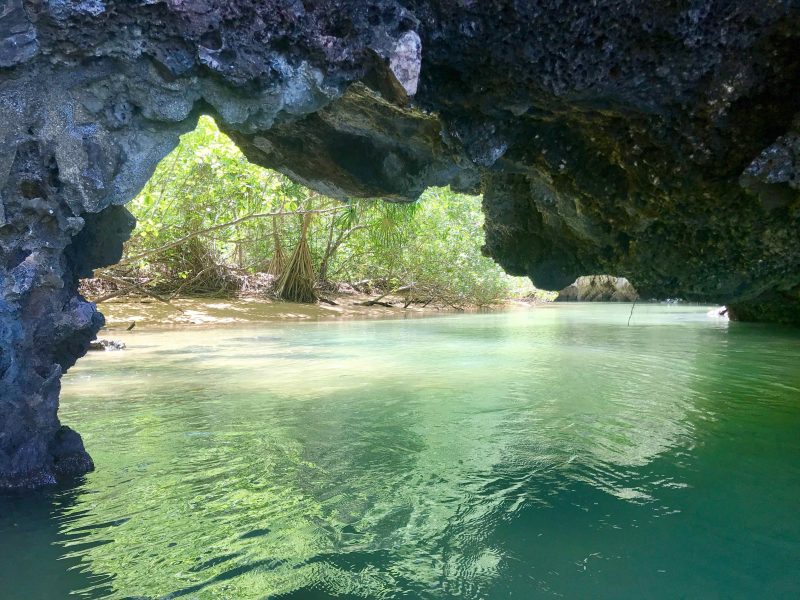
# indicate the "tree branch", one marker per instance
pixel 251 217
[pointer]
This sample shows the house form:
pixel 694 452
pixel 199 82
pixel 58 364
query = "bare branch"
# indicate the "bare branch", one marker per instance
pixel 251 217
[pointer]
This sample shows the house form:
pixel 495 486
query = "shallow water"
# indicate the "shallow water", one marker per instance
pixel 546 453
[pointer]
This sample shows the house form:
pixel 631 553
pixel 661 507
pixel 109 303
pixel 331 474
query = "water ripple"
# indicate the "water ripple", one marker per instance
pixel 555 452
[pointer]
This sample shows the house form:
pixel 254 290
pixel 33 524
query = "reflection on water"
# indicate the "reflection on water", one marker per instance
pixel 547 453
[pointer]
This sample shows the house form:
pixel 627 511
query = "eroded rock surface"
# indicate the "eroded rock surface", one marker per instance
pixel 598 288
pixel 657 141
pixel 106 346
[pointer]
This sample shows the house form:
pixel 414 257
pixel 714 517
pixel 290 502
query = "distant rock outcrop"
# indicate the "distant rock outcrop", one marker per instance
pixel 106 346
pixel 598 288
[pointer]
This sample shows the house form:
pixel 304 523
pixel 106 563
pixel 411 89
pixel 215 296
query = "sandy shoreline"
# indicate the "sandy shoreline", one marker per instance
pixel 212 312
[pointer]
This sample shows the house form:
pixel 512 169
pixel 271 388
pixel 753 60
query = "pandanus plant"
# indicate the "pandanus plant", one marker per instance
pixel 296 282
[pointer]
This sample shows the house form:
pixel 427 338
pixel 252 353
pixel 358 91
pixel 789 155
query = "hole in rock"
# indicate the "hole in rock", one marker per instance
pixel 31 189
pixel 212 224
pixel 211 40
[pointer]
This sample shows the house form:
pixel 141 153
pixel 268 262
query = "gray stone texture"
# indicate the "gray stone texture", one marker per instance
pixel 652 140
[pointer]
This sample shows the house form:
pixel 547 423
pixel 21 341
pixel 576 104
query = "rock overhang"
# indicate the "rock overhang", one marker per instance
pixel 655 141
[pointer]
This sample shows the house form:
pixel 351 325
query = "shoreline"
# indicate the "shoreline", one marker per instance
pixel 207 313
pixel 219 312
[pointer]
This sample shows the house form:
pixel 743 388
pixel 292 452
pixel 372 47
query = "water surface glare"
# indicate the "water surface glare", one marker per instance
pixel 553 452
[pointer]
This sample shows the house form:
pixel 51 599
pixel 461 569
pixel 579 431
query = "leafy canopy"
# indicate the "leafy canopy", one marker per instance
pixel 208 214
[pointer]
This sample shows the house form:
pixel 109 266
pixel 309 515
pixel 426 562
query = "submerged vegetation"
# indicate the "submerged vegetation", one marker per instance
pixel 211 223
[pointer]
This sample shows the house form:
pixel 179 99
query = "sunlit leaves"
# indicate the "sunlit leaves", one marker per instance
pixel 207 182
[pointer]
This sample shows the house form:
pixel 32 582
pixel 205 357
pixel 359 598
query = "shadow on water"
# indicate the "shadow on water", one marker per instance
pixel 552 454
pixel 38 560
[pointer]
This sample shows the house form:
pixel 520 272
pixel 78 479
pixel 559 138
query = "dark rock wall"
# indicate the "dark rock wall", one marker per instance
pixel 658 141
pixel 647 139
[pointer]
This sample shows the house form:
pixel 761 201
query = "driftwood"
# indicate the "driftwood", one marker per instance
pixel 127 287
pixel 377 300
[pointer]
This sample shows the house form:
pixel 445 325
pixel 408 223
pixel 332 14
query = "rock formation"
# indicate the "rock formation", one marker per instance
pixel 106 346
pixel 598 288
pixel 655 140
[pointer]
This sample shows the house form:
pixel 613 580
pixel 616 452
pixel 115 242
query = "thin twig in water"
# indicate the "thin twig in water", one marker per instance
pixel 632 307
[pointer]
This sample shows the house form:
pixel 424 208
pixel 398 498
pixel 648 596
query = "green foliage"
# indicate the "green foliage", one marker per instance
pixel 434 245
pixel 208 216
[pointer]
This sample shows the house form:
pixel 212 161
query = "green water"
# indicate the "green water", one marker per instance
pixel 553 452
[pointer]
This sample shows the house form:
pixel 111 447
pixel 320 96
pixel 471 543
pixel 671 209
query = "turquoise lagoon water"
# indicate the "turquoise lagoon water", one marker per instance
pixel 547 453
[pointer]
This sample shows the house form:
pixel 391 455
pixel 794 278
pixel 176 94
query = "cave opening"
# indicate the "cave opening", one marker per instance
pixel 64 217
pixel 579 450
pixel 212 224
